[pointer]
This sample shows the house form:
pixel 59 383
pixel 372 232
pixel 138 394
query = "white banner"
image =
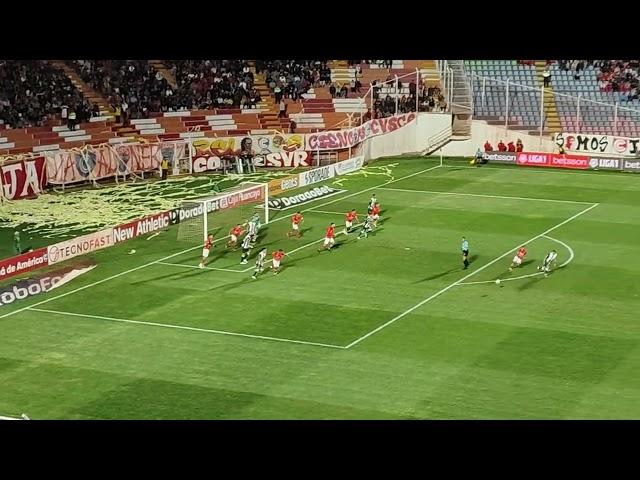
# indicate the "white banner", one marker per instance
pixel 349 165
pixel 79 246
pixel 316 175
pixel 598 144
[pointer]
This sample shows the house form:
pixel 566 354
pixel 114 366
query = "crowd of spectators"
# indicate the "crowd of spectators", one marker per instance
pixel 619 76
pixel 207 84
pixel 133 88
pixel 292 78
pixel 34 93
pixel 510 147
pixel 430 99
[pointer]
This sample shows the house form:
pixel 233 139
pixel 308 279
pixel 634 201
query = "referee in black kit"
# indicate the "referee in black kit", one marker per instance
pixel 465 252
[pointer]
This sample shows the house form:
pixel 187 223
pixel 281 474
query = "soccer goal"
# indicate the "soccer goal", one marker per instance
pixel 217 214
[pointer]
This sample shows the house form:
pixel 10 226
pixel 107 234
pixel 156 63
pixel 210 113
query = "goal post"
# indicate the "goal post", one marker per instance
pixel 216 214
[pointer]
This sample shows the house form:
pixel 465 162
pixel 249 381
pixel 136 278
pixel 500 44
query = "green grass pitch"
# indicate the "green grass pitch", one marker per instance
pixel 387 327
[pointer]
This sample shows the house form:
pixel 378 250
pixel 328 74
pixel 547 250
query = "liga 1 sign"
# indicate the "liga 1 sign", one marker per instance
pixel 539 159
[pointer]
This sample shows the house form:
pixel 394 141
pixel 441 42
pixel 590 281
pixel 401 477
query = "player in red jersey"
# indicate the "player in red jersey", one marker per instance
pixel 296 220
pixel 349 218
pixel 329 238
pixel 277 256
pixel 375 214
pixel 205 250
pixel 234 233
pixel 517 260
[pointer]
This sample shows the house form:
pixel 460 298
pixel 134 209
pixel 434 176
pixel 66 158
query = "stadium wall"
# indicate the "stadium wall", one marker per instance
pixel 481 132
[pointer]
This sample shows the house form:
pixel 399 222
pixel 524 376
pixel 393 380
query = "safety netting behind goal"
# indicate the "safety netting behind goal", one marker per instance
pixel 217 214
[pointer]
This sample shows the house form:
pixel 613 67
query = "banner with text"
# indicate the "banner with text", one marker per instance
pixel 538 159
pixel 334 140
pixel 95 163
pixel 598 144
pixel 268 150
pixel 23 179
pixel 150 224
pixel 10 267
pixel 79 246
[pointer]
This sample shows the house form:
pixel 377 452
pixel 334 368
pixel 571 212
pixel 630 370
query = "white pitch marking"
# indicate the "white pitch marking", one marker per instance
pixel 98 282
pixel 196 266
pixel 571 255
pixel 486 196
pixel 183 327
pixel 440 292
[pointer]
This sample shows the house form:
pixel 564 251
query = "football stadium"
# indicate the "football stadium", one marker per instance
pixel 319 239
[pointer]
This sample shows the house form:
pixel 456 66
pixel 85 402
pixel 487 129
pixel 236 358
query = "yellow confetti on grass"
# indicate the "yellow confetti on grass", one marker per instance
pixel 61 214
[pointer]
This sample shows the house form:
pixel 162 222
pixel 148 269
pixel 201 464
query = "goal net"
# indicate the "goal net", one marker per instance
pixel 217 214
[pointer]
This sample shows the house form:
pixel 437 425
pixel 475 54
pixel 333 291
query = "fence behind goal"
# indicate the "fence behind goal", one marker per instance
pixel 217 214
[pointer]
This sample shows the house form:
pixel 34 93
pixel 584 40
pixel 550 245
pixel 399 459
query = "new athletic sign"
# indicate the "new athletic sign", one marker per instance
pixel 146 225
pixel 10 267
pixel 537 159
pixel 283 203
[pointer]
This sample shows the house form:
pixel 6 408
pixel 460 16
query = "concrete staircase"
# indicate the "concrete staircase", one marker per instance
pixel 461 101
pixel 160 66
pixel 552 123
pixel 87 92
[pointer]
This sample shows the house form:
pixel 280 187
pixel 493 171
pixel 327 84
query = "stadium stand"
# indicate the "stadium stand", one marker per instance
pixel 597 97
pixel 152 100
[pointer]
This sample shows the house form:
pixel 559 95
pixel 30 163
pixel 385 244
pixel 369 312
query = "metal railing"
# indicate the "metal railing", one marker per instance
pixel 577 114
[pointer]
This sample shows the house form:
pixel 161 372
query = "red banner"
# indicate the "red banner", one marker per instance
pixel 146 225
pixel 109 160
pixel 349 138
pixel 10 267
pixel 537 159
pixel 23 179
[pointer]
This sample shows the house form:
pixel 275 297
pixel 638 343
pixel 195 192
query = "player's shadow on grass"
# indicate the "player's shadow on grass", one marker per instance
pixel 225 287
pixel 437 275
pixel 530 282
pixel 177 275
pixel 383 220
pixel 526 262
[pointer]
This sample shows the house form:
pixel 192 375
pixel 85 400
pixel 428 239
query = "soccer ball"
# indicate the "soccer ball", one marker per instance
pixel 498 281
pixel 132 252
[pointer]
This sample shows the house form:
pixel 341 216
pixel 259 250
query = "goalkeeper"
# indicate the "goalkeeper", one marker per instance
pixel 367 227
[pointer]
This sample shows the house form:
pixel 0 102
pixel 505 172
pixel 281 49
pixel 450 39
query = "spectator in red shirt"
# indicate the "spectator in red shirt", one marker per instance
pixel 511 147
pixel 488 147
pixel 519 145
pixel 502 147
